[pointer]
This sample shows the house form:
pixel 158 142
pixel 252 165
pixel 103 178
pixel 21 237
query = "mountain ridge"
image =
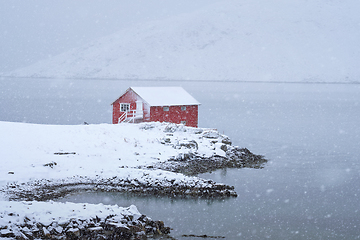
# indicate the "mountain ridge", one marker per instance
pixel 300 41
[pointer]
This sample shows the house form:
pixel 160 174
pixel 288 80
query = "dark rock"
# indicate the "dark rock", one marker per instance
pixel 201 236
pixel 224 147
pixel 226 140
pixel 211 134
pixel 189 144
pixel 64 153
pixel 52 164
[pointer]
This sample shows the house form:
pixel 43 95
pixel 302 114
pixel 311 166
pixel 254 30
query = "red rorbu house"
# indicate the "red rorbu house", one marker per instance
pixel 156 104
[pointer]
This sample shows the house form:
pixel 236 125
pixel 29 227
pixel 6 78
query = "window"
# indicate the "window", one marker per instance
pixel 124 107
pixel 183 122
pixel 166 109
pixel 183 108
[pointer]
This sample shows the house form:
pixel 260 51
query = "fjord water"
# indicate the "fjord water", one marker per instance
pixel 309 132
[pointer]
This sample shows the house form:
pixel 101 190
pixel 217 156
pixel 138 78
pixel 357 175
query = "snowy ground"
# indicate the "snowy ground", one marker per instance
pixel 31 151
pixel 102 155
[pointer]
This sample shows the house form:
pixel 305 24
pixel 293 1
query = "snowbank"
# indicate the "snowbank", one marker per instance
pixel 33 151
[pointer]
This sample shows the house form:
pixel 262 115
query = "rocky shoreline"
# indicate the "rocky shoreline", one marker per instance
pixel 143 227
pixel 94 228
pixel 193 164
pixel 196 151
pixel 43 190
pixel 192 161
pixel 189 164
pixel 116 223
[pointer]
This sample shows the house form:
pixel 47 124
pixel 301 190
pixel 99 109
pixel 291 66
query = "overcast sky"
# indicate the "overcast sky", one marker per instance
pixel 34 30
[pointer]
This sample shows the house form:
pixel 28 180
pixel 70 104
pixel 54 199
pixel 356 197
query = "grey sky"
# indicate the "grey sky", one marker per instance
pixel 34 30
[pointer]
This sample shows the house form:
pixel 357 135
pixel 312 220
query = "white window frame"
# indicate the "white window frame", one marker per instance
pixel 183 108
pixel 124 107
pixel 166 109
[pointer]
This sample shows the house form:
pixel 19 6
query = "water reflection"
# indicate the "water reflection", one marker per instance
pixel 126 199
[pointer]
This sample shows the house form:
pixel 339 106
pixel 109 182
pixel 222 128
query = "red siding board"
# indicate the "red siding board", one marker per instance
pixel 175 114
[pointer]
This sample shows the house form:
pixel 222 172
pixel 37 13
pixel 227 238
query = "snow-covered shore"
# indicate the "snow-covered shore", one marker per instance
pixel 41 162
pixel 33 151
pixel 52 220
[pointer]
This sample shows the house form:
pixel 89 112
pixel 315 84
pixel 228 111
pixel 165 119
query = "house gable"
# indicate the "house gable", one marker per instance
pixel 131 98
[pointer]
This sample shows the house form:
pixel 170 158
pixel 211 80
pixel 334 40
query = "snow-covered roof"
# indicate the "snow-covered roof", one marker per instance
pixel 165 96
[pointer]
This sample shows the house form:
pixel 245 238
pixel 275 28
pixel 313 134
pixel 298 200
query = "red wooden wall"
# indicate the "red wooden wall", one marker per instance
pixel 175 115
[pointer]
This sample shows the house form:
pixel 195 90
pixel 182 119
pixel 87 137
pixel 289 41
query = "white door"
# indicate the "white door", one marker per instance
pixel 139 109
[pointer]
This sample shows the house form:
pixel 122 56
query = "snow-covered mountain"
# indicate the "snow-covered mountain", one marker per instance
pixel 276 40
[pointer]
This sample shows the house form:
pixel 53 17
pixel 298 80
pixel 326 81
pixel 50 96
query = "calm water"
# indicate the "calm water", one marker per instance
pixel 310 132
